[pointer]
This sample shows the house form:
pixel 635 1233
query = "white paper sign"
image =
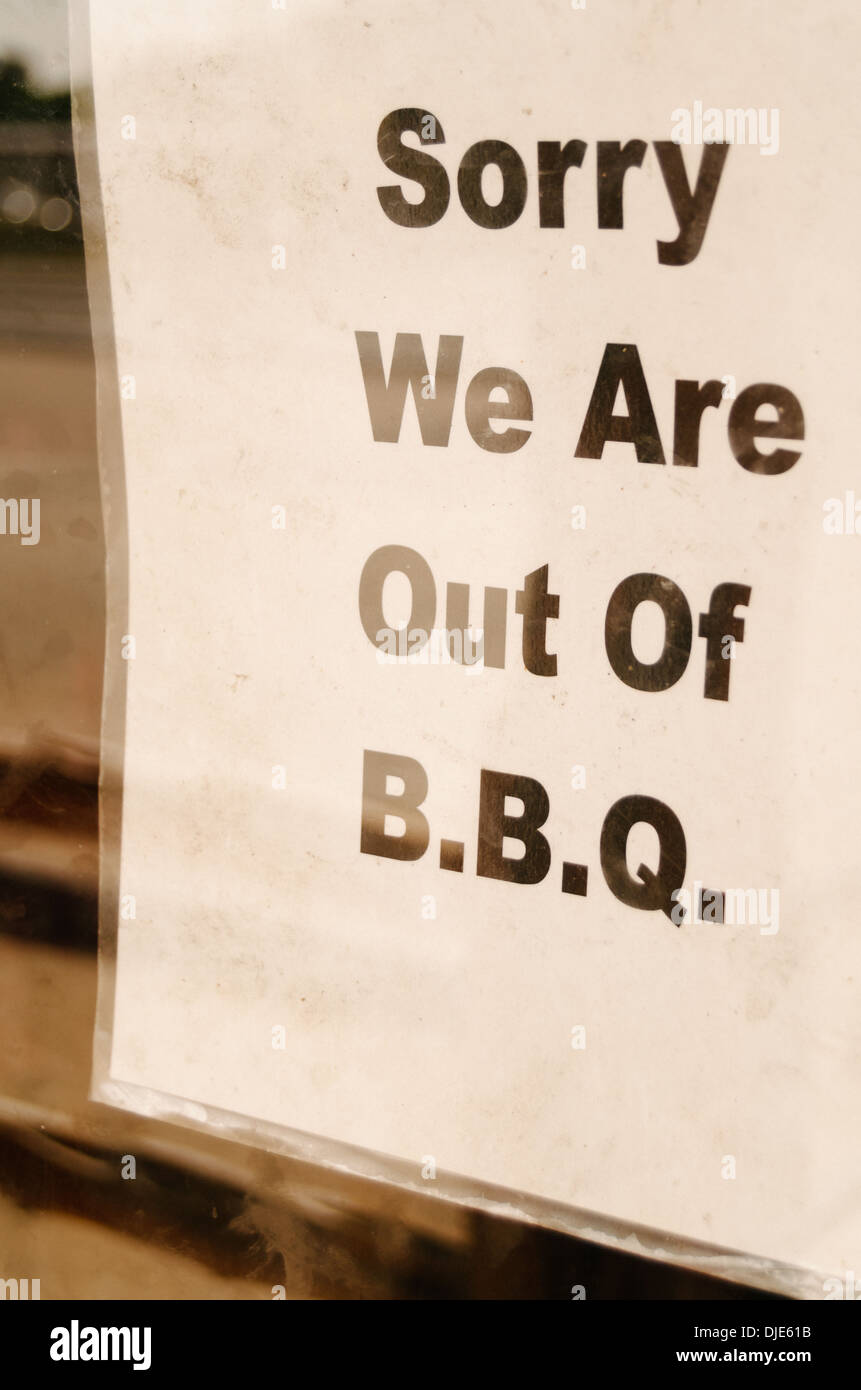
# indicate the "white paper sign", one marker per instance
pixel 529 330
